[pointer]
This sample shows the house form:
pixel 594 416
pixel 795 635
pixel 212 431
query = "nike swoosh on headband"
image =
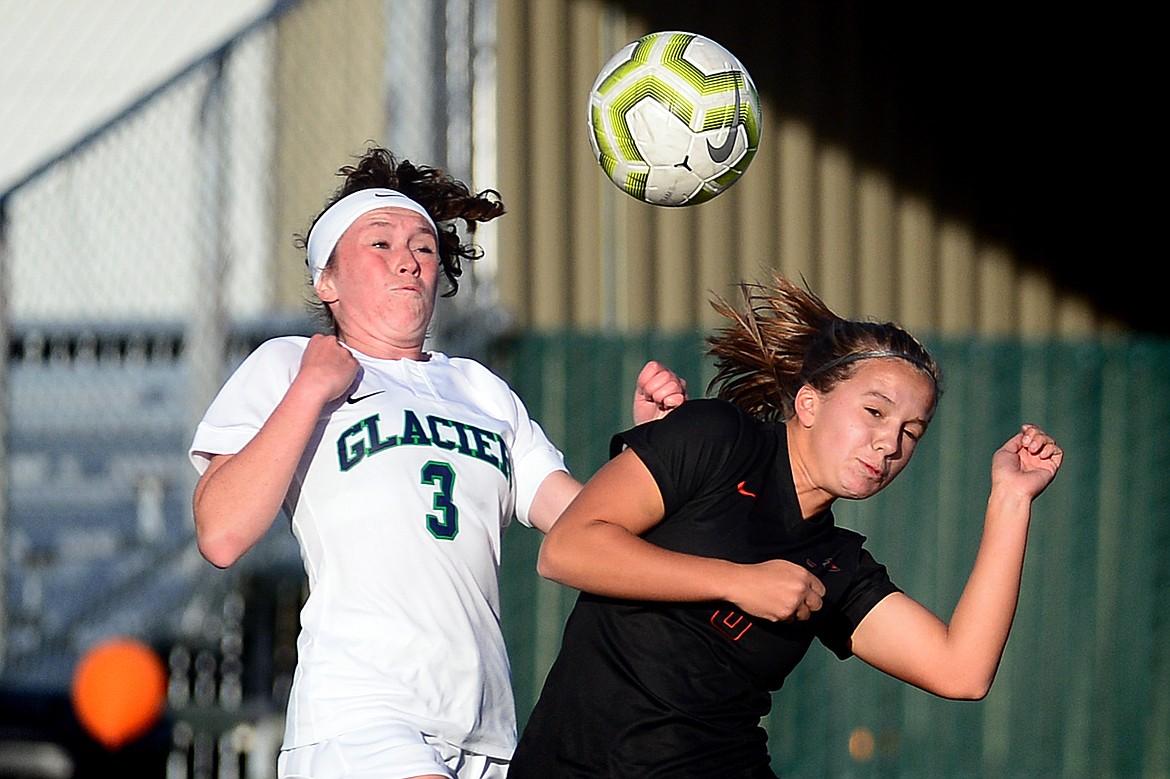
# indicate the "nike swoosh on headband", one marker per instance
pixel 336 219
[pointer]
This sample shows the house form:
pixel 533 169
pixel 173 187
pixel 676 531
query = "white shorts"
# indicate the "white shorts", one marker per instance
pixel 387 751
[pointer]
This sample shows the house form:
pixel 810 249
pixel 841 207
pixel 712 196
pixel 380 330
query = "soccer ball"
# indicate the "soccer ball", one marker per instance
pixel 674 119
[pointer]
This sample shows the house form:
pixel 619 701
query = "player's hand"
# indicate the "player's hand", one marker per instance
pixel 1027 463
pixel 327 368
pixel 778 590
pixel 659 390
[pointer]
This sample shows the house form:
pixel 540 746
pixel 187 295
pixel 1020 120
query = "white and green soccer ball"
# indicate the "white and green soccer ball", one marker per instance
pixel 674 119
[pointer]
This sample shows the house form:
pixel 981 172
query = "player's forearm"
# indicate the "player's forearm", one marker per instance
pixel 979 628
pixel 237 499
pixel 606 559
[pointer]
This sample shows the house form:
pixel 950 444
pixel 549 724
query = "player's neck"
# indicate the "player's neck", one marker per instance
pixel 385 350
pixel 813 499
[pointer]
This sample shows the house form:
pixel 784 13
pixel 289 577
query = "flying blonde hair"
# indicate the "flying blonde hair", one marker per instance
pixel 783 336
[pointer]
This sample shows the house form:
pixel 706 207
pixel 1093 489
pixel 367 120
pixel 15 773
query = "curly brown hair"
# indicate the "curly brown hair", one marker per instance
pixel 785 337
pixel 444 197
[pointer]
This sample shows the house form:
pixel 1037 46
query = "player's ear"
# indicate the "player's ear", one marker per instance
pixel 806 404
pixel 324 287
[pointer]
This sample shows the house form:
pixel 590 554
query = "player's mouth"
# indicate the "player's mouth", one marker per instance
pixel 873 472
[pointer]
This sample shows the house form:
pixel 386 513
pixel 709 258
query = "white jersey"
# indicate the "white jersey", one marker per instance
pixel 399 507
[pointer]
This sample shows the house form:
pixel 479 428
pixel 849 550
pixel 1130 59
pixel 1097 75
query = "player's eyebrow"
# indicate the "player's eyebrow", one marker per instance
pixel 890 401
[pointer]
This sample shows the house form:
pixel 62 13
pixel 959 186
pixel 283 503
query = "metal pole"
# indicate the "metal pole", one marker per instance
pixel 207 331
pixel 4 413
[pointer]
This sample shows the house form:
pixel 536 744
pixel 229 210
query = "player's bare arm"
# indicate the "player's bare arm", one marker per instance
pixel 658 391
pixel 959 660
pixel 239 495
pixel 555 493
pixel 596 546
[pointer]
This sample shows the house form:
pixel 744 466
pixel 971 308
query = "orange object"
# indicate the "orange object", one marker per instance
pixel 119 691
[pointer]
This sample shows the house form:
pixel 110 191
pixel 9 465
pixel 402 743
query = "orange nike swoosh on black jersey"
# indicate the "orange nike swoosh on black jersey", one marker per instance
pixel 739 488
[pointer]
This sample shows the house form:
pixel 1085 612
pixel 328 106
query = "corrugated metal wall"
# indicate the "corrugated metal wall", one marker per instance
pixel 329 103
pixel 577 252
pixel 597 279
pixel 1083 690
pixel 1084 687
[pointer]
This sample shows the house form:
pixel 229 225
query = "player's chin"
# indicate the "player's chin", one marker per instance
pixel 864 488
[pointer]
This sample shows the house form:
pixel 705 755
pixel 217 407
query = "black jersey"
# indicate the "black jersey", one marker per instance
pixel 656 690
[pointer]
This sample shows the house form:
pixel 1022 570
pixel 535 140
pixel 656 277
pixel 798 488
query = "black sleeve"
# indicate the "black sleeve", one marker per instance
pixel 690 447
pixel 870 584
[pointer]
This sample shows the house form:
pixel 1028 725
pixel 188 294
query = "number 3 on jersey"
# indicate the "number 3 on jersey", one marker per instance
pixel 444 525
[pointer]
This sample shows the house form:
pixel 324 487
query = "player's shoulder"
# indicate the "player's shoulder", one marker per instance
pixel 474 371
pixel 284 343
pixel 715 408
pixel 720 426
pixel 275 353
pixel 705 425
pixel 281 347
pixel 713 416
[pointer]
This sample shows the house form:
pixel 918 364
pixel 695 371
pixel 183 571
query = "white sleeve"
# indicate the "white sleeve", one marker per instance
pixel 246 400
pixel 533 456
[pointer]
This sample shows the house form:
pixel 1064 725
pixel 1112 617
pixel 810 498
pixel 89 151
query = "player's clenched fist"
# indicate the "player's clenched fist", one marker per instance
pixel 658 390
pixel 778 590
pixel 327 367
pixel 1027 463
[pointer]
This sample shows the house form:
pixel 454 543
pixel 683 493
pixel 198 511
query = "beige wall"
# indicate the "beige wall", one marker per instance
pixel 329 64
pixel 575 251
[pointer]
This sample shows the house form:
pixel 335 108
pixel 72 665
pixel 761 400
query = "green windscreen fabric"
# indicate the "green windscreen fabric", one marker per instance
pixel 1084 686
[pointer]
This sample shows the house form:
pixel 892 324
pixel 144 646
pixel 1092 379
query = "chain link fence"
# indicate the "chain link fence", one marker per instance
pixel 146 245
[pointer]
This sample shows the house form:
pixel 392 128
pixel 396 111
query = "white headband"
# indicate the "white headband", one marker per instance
pixel 332 224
